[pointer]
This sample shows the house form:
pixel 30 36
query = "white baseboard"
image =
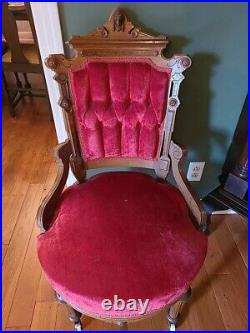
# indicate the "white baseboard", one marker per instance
pixel 224 212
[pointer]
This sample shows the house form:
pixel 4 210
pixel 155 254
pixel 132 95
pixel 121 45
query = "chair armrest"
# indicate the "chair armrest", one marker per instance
pixel 178 156
pixel 47 208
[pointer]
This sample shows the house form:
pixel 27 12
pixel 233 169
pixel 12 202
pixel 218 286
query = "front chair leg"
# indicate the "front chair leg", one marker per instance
pixel 175 310
pixel 73 315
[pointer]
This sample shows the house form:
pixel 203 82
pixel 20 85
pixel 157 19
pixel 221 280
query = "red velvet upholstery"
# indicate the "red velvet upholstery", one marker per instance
pixel 121 233
pixel 119 107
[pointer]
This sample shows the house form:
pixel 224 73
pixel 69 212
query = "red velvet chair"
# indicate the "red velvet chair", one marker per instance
pixel 120 233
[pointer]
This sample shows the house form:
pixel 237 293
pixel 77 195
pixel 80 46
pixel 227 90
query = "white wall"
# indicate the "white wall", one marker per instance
pixel 49 36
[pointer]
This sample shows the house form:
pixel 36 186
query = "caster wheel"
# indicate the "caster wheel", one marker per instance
pixel 172 327
pixel 78 327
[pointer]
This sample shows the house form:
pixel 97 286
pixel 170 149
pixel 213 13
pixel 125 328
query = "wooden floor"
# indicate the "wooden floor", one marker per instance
pixel 219 299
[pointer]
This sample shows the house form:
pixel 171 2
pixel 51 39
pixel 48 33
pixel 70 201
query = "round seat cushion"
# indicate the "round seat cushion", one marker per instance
pixel 124 234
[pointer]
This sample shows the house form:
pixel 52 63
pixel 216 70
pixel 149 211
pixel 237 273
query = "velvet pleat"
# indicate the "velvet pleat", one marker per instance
pixel 119 107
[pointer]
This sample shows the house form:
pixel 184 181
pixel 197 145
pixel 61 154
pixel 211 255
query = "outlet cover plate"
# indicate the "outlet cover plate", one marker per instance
pixel 195 171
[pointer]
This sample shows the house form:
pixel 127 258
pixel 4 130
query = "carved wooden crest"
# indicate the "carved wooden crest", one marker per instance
pixel 119 33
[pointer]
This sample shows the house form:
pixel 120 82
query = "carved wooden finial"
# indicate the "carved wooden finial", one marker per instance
pixel 119 25
pixel 118 17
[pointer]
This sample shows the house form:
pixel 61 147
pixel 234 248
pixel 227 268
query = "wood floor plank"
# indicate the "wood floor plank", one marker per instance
pixel 21 312
pixel 238 229
pixel 18 328
pixel 44 291
pixel 62 321
pixel 141 325
pixel 232 304
pixel 232 257
pixel 202 306
pixel 4 251
pixel 14 257
pixel 215 261
pixel 12 206
pixel 159 321
pixel 99 325
pixel 44 318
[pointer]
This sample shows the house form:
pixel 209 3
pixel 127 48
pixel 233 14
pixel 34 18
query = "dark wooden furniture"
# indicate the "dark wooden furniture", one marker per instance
pixel 233 191
pixel 117 38
pixel 20 58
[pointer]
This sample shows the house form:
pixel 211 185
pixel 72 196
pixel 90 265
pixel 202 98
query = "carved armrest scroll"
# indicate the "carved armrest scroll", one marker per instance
pixel 178 156
pixel 47 208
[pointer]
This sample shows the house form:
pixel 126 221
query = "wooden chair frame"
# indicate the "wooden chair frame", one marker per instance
pixel 119 37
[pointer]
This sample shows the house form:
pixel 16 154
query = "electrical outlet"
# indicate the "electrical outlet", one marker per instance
pixel 195 171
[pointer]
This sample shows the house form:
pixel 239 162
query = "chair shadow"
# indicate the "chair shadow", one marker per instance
pixel 193 126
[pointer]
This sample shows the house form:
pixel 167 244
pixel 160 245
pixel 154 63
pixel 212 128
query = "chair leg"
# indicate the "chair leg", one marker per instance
pixel 73 315
pixel 175 310
pixel 123 325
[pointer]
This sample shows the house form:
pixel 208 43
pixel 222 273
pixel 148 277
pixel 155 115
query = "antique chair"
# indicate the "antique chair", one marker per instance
pixel 20 57
pixel 120 233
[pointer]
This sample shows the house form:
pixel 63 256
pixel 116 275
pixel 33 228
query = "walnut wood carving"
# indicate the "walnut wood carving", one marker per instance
pixel 47 208
pixel 76 162
pixel 178 156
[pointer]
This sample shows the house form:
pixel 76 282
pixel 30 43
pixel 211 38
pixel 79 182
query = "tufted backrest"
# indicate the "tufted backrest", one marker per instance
pixel 119 95
pixel 119 107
